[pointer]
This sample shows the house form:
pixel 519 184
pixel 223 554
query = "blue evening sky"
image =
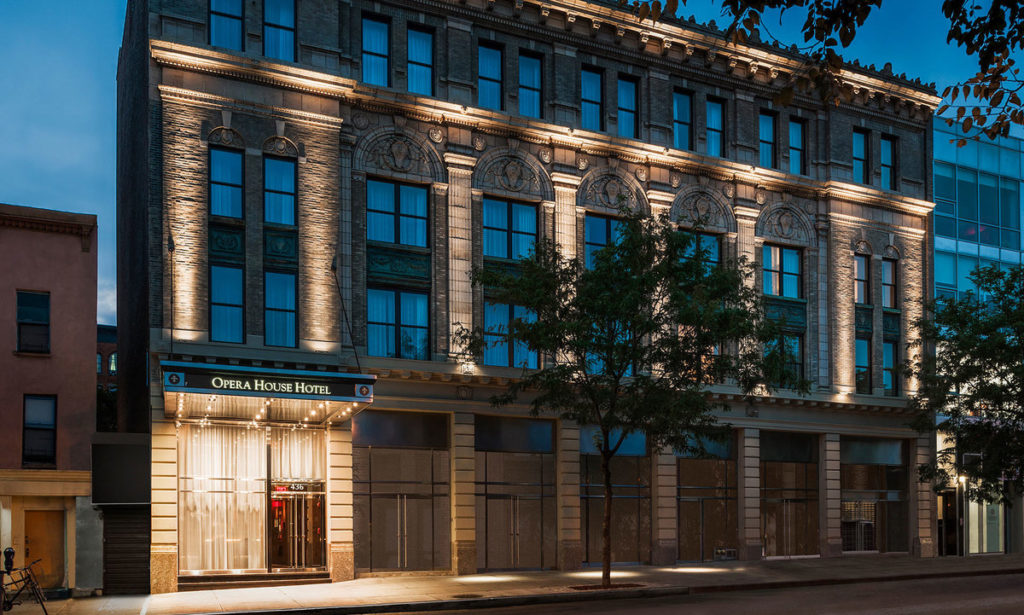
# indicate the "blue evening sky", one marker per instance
pixel 58 63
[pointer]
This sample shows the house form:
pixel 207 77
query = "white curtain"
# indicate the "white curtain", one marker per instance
pixel 297 454
pixel 222 499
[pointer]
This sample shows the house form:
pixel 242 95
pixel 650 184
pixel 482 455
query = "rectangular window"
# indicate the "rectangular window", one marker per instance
pixel 592 100
pixel 715 128
pixel 279 29
pixel 33 322
pixel 529 85
pixel 782 271
pixel 682 120
pixel 710 249
pixel 796 147
pixel 500 350
pixel 889 283
pixel 225 182
pixel 397 324
pixel 489 77
pixel 279 322
pixel 226 24
pixel 627 108
pixel 862 364
pixel 39 431
pixel 794 354
pixel 861 279
pixel 227 304
pixel 860 156
pixel 889 379
pixel 112 367
pixel 598 232
pixel 376 52
pixel 766 139
pixel 887 161
pixel 396 213
pixel 510 229
pixel 279 190
pixel 420 68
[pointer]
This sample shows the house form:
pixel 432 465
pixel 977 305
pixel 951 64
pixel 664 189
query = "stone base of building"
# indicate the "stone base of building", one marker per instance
pixel 343 562
pixel 924 547
pixel 665 553
pixel 163 569
pixel 831 549
pixel 750 551
pixel 464 557
pixel 570 555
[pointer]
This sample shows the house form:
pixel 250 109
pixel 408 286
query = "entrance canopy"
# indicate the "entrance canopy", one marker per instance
pixel 209 391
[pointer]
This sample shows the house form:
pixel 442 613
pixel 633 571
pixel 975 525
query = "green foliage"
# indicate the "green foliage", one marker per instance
pixel 974 384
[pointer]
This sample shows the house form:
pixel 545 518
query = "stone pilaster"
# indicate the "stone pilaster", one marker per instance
pixel 829 496
pixel 163 559
pixel 567 489
pixel 665 549
pixel 460 244
pixel 463 487
pixel 565 212
pixel 921 505
pixel 749 494
pixel 340 508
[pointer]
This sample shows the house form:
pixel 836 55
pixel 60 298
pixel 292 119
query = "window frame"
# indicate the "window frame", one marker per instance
pixel 508 230
pixel 862 387
pixel 210 182
pixel 624 78
pixel 540 86
pixel 802 165
pixel 892 372
pixel 21 348
pixel 862 297
pixel 240 19
pixel 294 195
pixel 508 340
pixel 608 220
pixel 781 271
pixel 708 130
pixel 210 303
pixel 865 174
pixel 397 215
pixel 293 30
pixel 410 62
pixel 891 165
pixel 363 52
pixel 26 463
pixel 593 70
pixel 688 123
pixel 893 285
pixel 500 50
pixel 266 308
pixel 397 292
pixel 773 118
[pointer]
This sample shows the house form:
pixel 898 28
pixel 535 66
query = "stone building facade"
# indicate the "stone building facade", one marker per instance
pixel 305 188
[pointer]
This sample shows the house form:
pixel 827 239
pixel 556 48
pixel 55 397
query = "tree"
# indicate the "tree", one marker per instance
pixel 974 383
pixel 985 103
pixel 633 342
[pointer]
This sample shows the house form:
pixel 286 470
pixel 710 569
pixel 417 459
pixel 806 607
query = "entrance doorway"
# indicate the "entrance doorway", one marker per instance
pixel 44 540
pixel 789 494
pixel 949 524
pixel 297 526
pixel 707 514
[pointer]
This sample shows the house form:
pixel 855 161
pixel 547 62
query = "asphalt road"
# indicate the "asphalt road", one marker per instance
pixel 961 596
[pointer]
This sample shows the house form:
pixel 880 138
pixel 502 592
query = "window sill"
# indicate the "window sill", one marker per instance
pixel 398 246
pixel 38 466
pixel 30 354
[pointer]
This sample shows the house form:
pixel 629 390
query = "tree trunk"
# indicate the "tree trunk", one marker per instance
pixel 606 526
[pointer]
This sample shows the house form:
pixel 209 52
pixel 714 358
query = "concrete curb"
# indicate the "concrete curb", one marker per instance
pixel 611 594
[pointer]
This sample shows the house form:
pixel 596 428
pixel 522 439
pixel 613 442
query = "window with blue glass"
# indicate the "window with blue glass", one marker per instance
pixel 862 364
pixel 591 100
pixel 766 139
pixel 796 147
pixel 225 182
pixel 226 24
pixel 279 309
pixel 598 232
pixel 396 213
pixel 227 304
pixel 628 118
pixel 510 228
pixel 709 249
pixel 889 357
pixel 489 77
pixel 715 128
pixel 529 85
pixel 279 29
pixel 861 279
pixel 793 347
pixel 782 271
pixel 376 52
pixel 279 190
pixel 500 349
pixel 682 120
pixel 397 324
pixel 889 295
pixel 860 156
pixel 421 61
pixel 887 161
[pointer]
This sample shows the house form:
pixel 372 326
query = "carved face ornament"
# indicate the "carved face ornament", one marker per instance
pixel 512 176
pixel 399 154
pixel 784 225
pixel 612 190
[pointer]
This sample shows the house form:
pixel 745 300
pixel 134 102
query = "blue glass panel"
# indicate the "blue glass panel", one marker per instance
pixel 225 323
pixel 945 268
pixel 522 244
pixel 627 94
pixel 226 200
pixel 681 136
pixel 496 351
pixel 529 72
pixel 796 135
pixel 714 115
pixel 524 218
pixel 796 162
pixel 421 80
pixel 627 124
pixel 279 43
pixel 380 340
pixel 790 285
pixel 380 227
pixel 529 102
pixel 380 196
pixel 279 208
pixel 226 166
pixel 226 285
pixel 380 306
pixel 413 200
pixel 414 309
pixel 280 290
pixel 489 63
pixel 375 70
pixel 279 12
pixel 714 144
pixel 279 328
pixel 766 128
pixel 590 85
pixel 495 213
pixel 279 175
pixel 231 7
pixel 791 260
pixel 591 116
pixel 226 32
pixel 595 230
pixel 859 144
pixel 421 47
pixel 495 243
pixel 766 155
pixel 489 94
pixel 414 231
pixel 634 444
pixel 375 36
pixel 681 107
pixel 415 343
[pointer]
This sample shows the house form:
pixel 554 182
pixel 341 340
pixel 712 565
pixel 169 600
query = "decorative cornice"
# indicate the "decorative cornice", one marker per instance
pixel 49 221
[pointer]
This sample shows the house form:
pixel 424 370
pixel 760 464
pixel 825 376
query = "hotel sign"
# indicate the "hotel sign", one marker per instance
pixel 179 377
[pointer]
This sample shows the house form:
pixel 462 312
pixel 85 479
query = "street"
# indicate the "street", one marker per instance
pixel 960 596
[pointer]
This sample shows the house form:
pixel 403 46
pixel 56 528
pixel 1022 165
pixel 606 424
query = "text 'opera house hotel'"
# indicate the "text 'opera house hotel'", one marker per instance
pixel 304 187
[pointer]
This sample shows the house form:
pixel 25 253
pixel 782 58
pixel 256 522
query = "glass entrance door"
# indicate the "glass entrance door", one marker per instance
pixel 297 526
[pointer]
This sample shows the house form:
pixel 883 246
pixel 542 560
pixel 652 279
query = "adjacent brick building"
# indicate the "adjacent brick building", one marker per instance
pixel 303 190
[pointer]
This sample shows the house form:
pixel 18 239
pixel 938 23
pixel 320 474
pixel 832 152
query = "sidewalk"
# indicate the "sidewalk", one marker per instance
pixel 391 594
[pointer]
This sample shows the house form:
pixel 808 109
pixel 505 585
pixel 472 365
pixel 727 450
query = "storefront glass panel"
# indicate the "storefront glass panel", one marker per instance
pixel 631 500
pixel 789 494
pixel 985 530
pixel 707 511
pixel 874 481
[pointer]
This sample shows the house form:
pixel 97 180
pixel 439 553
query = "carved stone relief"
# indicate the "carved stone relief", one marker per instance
pixel 609 191
pixel 280 146
pixel 511 174
pixel 222 135
pixel 399 153
pixel 784 223
pixel 436 134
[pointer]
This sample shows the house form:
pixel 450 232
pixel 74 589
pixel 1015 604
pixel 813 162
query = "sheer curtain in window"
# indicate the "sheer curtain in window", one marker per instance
pixel 297 454
pixel 222 501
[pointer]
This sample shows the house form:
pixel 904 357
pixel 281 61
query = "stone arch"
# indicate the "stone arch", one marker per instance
pixel 398 154
pixel 280 146
pixel 696 204
pixel 513 173
pixel 892 252
pixel 607 188
pixel 863 247
pixel 226 137
pixel 786 223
